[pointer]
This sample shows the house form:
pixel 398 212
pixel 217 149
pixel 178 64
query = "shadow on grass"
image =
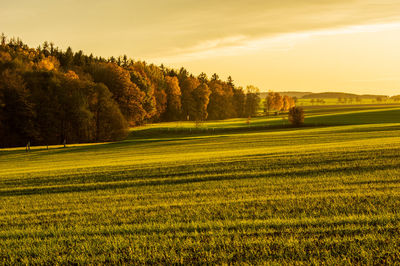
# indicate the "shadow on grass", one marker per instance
pixel 298 173
pixel 165 136
pixel 158 135
pixel 189 132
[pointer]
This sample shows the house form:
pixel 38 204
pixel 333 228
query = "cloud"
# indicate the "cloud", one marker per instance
pixel 379 80
pixel 150 29
pixel 216 21
pixel 231 46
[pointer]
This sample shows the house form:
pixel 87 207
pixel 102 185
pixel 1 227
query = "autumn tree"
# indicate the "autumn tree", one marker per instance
pixel 182 75
pixel 61 101
pixel 16 111
pixel 239 102
pixel 252 101
pixel 214 77
pixel 3 39
pixel 201 95
pixel 65 95
pixel 73 109
pixel 139 77
pixel 128 96
pixel 173 91
pixel 109 123
pixel 189 102
pixel 296 116
pixel 203 77
pixel 67 59
pixel 288 103
pixel 45 96
pixel 156 77
pixel 269 102
pixel 221 100
pixel 48 63
pixel 277 103
pixel 79 59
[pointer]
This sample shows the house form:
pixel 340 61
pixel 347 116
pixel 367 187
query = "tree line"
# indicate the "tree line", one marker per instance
pixel 48 95
pixel 276 102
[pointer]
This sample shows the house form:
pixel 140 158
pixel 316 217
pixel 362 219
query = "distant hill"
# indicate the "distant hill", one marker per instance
pixel 297 94
pixel 335 95
pixel 324 95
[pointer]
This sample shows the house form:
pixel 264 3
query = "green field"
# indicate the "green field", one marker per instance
pixel 221 192
pixel 335 101
pixel 326 102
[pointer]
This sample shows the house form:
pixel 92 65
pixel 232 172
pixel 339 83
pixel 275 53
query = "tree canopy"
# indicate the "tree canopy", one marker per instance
pixel 277 102
pixel 48 95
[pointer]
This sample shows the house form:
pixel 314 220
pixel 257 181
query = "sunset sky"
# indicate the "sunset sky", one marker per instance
pixel 302 45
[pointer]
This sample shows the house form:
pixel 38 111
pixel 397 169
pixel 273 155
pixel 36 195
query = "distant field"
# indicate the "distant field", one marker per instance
pixel 335 101
pixel 315 116
pixel 222 192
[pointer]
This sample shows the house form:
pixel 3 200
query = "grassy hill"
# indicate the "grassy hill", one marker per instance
pixel 297 94
pixel 224 192
pixel 325 95
pixel 335 95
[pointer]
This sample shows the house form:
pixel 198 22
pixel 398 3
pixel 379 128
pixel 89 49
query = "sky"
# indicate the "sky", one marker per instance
pixel 281 45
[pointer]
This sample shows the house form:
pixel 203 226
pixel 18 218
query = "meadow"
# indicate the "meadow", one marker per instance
pixel 344 102
pixel 220 192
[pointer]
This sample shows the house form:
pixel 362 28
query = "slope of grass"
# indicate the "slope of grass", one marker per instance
pixel 334 101
pixel 329 116
pixel 308 195
pixel 389 115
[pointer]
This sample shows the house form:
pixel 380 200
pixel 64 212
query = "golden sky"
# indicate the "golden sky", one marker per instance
pixel 304 45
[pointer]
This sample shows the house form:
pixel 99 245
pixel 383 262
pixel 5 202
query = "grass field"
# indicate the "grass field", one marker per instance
pixel 224 192
pixel 335 101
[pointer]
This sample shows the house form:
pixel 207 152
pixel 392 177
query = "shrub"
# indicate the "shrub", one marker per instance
pixel 296 116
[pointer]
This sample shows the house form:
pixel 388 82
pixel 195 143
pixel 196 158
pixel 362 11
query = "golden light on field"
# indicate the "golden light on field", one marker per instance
pixel 303 45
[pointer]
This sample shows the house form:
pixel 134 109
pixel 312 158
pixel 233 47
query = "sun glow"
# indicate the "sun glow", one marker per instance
pixel 241 44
